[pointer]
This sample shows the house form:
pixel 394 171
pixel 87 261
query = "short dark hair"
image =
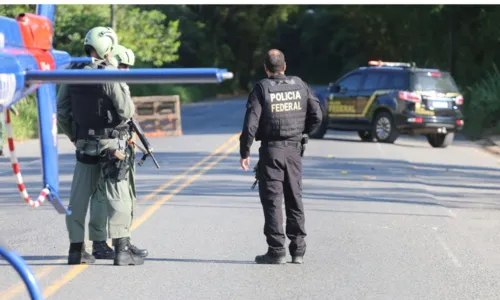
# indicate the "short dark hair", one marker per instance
pixel 275 61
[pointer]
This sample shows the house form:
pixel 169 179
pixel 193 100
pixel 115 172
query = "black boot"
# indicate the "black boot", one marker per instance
pixel 298 259
pixel 78 255
pixel 101 250
pixel 137 251
pixel 268 258
pixel 124 255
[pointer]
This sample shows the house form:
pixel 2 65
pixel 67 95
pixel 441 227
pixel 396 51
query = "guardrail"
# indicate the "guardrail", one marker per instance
pixel 159 115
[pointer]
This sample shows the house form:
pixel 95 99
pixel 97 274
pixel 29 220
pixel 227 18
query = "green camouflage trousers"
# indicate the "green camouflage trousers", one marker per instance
pixel 85 178
pixel 111 200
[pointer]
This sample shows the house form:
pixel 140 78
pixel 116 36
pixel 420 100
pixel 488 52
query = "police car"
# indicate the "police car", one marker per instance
pixel 387 99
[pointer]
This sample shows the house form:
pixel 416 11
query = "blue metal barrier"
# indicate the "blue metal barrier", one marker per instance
pixel 24 272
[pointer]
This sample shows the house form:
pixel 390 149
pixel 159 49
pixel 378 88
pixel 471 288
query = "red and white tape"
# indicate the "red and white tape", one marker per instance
pixel 17 170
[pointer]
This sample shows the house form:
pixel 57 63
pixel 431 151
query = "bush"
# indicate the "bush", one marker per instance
pixel 482 105
pixel 25 125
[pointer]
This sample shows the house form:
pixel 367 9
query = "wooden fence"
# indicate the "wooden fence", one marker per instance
pixel 159 115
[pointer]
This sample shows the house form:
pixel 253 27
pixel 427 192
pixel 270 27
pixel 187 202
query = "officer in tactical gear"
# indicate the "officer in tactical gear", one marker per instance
pixel 124 58
pixel 86 174
pixel 94 118
pixel 279 111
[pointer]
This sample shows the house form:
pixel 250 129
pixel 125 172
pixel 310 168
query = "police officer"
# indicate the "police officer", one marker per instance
pixel 94 117
pixel 279 111
pixel 86 173
pixel 124 58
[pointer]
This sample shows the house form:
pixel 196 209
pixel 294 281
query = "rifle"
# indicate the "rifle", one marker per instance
pixel 303 142
pixel 147 150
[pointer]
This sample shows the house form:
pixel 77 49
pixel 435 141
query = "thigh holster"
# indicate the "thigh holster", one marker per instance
pixel 115 164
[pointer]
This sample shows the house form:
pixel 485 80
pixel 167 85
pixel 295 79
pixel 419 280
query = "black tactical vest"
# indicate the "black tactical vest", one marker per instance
pixel 93 111
pixel 284 109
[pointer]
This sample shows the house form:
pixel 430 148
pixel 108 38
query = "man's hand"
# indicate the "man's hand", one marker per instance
pixel 132 140
pixel 245 163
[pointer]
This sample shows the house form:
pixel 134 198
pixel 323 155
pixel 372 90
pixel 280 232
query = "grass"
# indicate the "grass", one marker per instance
pixel 25 125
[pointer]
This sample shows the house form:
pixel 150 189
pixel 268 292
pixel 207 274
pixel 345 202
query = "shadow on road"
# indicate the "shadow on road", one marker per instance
pixel 407 141
pixel 174 204
pixel 369 180
pixel 328 179
pixel 224 117
pixel 206 261
pixel 32 260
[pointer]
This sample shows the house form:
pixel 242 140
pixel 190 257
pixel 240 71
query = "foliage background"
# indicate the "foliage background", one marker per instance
pixel 320 43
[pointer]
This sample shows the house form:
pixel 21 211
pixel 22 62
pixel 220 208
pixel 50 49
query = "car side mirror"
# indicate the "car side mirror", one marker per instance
pixel 330 87
pixel 334 88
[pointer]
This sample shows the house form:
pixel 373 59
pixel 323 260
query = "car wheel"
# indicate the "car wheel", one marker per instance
pixel 384 128
pixel 440 140
pixel 365 135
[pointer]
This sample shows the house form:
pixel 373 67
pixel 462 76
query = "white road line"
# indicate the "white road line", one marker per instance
pixel 379 146
pixel 452 256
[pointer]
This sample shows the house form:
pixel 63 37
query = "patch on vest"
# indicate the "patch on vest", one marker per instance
pixel 287 101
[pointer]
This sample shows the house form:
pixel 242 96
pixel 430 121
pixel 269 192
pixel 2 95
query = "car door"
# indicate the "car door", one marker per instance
pixel 369 85
pixel 342 101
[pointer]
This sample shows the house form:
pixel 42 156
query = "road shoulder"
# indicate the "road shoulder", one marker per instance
pixel 491 144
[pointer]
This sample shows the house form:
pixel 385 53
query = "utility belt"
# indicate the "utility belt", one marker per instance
pixel 103 133
pixel 115 163
pixel 299 145
pixel 281 143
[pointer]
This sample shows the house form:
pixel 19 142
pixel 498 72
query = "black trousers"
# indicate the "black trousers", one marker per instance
pixel 280 171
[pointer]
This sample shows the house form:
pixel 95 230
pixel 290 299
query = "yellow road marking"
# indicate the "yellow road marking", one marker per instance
pixel 179 177
pixel 74 271
pixel 18 288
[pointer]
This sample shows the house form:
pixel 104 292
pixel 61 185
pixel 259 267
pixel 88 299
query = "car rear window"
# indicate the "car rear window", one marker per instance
pixel 434 81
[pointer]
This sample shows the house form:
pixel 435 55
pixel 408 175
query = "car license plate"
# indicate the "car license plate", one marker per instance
pixel 440 104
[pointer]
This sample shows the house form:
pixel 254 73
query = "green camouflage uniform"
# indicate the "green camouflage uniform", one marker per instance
pixel 108 198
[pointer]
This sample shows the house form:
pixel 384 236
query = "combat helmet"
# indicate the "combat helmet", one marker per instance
pixel 122 55
pixel 101 39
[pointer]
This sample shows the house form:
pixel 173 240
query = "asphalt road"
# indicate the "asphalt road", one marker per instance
pixel 402 221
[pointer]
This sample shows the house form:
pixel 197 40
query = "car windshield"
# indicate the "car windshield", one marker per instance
pixel 434 81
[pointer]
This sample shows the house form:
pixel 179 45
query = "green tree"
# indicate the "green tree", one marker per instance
pixel 152 37
pixel 148 33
